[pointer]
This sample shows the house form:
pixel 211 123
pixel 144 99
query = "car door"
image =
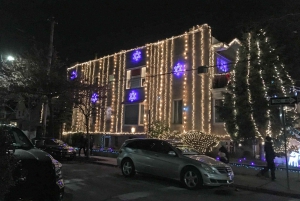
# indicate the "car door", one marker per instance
pixel 164 164
pixel 137 151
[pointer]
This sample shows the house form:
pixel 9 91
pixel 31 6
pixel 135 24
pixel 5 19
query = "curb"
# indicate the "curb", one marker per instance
pixel 267 191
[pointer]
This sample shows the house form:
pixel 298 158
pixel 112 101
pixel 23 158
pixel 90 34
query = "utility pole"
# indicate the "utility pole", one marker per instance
pixel 45 106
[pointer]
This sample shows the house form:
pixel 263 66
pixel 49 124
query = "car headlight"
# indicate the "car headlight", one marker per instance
pixel 208 169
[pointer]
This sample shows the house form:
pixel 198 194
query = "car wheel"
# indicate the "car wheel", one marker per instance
pixel 128 169
pixel 191 178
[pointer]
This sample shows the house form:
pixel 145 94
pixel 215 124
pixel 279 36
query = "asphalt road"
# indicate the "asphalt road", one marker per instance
pixel 91 182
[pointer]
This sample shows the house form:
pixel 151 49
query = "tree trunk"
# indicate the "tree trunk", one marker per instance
pixel 88 136
pixel 51 134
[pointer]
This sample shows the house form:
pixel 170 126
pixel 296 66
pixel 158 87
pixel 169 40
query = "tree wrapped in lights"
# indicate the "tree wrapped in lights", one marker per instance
pixel 257 76
pixel 158 128
pixel 199 141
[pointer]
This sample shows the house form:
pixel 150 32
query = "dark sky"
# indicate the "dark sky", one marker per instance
pixel 102 27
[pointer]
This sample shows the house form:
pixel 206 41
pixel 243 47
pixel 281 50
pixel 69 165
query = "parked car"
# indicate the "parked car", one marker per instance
pixel 174 161
pixel 57 148
pixel 37 175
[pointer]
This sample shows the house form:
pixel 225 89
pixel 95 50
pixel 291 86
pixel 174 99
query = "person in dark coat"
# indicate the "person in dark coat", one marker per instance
pixel 91 145
pixel 223 153
pixel 270 156
pixel 82 144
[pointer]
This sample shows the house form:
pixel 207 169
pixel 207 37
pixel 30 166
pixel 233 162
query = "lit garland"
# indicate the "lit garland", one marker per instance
pixel 193 80
pixel 113 109
pixel 171 83
pixel 202 77
pixel 123 87
pixel 167 86
pixel 157 84
pixel 184 82
pixel 106 94
pixel 210 79
pixel 161 84
pixel 265 88
pixel 119 92
pixel 248 90
pixel 151 70
pixel 102 83
pixel 147 100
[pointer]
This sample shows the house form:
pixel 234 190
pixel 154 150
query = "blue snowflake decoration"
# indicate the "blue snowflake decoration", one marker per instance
pixel 178 69
pixel 94 97
pixel 222 65
pixel 137 55
pixel 133 96
pixel 73 75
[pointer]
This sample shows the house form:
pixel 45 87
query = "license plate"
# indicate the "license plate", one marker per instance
pixel 60 183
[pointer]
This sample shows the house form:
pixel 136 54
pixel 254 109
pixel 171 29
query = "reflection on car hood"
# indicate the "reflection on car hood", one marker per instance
pixel 206 159
pixel 31 154
pixel 64 147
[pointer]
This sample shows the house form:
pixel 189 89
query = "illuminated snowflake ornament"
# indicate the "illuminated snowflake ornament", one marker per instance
pixel 178 69
pixel 73 75
pixel 222 65
pixel 132 96
pixel 94 97
pixel 137 55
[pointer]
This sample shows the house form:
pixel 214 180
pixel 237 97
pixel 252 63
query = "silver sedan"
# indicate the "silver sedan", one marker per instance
pixel 174 161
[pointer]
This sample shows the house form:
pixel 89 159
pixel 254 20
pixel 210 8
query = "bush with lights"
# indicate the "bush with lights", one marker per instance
pixel 199 140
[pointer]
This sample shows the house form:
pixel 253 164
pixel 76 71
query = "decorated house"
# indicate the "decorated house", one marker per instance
pixel 178 81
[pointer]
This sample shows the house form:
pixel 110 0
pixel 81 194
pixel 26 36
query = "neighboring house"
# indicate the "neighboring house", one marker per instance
pixel 23 114
pixel 159 81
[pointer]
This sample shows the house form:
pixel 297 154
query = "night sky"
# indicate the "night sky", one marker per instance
pixel 89 27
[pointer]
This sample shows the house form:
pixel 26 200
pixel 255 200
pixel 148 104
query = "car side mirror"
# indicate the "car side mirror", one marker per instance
pixel 39 143
pixel 172 153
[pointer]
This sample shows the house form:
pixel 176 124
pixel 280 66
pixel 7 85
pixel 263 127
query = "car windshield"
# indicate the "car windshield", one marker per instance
pixel 59 142
pixel 19 139
pixel 186 150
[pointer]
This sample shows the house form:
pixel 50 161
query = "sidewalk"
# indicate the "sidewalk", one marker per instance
pixel 245 178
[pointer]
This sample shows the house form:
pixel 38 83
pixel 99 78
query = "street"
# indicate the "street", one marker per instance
pixel 87 182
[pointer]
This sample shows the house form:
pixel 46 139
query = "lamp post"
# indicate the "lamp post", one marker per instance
pixel 10 58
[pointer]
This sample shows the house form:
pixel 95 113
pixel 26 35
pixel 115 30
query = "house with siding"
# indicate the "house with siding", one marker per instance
pixel 159 81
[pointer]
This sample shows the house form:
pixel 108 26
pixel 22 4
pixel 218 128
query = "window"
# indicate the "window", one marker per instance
pixel 218 105
pixel 141 115
pixel 134 114
pixel 177 112
pixel 160 147
pixel 135 78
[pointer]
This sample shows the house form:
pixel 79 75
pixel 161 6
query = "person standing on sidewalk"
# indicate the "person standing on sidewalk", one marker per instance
pixel 82 145
pixel 223 153
pixel 270 156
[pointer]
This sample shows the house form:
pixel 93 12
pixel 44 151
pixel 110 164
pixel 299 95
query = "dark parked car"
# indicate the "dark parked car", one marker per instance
pixel 57 148
pixel 38 175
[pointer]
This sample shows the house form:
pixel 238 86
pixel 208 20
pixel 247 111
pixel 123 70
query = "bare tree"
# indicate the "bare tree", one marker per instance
pixel 86 97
